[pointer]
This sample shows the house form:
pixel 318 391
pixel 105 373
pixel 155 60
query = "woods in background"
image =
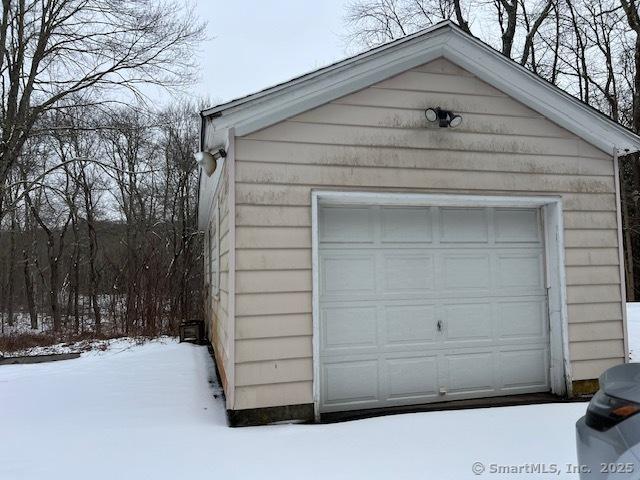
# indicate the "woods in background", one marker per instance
pixel 590 48
pixel 97 188
pixel 108 244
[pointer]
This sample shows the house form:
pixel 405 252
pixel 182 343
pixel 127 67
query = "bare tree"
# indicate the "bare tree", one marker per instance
pixel 532 26
pixel 633 19
pixel 372 22
pixel 51 49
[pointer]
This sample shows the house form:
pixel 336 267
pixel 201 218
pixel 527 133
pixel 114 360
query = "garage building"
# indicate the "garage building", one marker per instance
pixel 366 250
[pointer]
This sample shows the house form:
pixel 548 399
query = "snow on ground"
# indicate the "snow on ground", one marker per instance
pixel 150 412
pixel 93 347
pixel 633 330
pixel 154 411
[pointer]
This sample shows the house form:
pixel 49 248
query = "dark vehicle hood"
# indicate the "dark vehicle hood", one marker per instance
pixel 622 381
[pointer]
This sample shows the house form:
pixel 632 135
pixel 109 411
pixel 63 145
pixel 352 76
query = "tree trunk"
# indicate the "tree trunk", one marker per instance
pixel 12 268
pixel 627 242
pixel 54 286
pixel 29 291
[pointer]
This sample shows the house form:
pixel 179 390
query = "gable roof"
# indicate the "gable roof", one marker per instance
pixel 445 39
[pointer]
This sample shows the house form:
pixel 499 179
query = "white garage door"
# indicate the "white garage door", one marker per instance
pixel 427 304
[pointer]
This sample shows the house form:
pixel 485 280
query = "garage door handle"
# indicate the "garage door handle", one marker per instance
pixel 439 325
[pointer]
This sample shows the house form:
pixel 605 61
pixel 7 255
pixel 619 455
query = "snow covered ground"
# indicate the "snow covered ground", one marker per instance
pixel 86 346
pixel 154 411
pixel 633 330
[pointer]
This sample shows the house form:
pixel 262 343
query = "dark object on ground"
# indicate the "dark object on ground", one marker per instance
pixel 192 332
pixel 37 358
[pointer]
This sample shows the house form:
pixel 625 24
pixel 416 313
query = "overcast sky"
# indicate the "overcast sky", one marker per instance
pixel 256 44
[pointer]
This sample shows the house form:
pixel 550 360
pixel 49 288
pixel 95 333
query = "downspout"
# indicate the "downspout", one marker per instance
pixel 623 288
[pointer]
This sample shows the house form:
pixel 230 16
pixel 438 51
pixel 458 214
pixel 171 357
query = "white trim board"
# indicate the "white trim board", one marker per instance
pixel 554 247
pixel 621 257
pixel 231 305
pixel 272 105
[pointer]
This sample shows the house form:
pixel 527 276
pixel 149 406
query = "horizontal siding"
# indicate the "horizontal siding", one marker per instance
pixel 276 371
pixel 591 238
pixel 593 275
pixel 593 312
pixel 424 139
pixel 262 151
pixel 270 326
pixel 273 259
pixel 590 369
pixel 270 216
pixel 335 114
pixel 273 281
pixel 591 220
pixel 273 303
pixel 300 195
pixel 431 82
pixel 254 350
pixel 582 332
pixel 378 140
pixel 597 349
pixel 586 294
pixel 410 99
pixel 477 181
pixel 265 237
pixel 273 395
pixel 591 256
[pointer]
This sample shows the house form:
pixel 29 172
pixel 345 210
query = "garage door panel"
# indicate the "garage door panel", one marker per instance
pixel 517 225
pixel 407 273
pixel 414 378
pixel 471 372
pixel 466 271
pixel 463 225
pixel 346 225
pixel 353 382
pixel 409 324
pixel 524 368
pixel 479 271
pixel 525 319
pixel 467 322
pixel 348 274
pixel 406 225
pixel 517 270
pixel 349 327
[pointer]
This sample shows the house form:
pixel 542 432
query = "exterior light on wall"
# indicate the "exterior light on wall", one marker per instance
pixel 445 118
pixel 209 161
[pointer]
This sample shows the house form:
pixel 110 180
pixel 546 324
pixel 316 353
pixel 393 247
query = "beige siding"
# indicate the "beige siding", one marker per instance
pixel 217 303
pixel 378 139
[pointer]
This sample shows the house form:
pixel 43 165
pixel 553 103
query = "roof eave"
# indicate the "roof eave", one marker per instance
pixel 283 101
